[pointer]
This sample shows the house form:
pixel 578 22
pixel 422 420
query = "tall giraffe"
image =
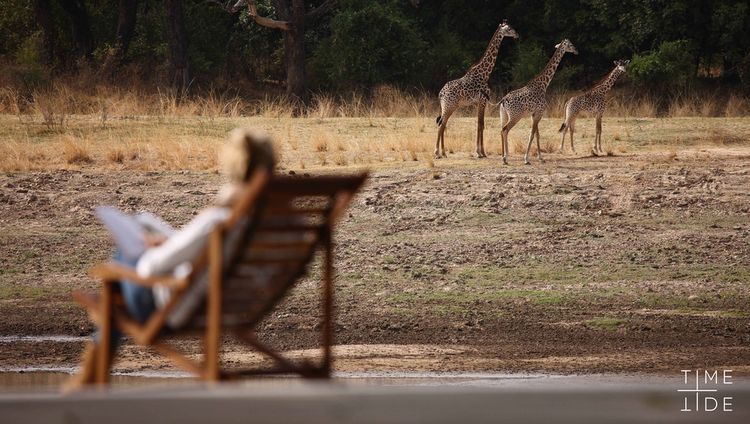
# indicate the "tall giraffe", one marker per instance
pixel 531 99
pixel 594 102
pixel 471 89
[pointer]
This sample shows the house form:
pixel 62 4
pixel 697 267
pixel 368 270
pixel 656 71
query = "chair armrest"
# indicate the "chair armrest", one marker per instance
pixel 110 272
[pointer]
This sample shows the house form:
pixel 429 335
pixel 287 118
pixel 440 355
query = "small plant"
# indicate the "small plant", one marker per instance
pixel 116 155
pixel 606 323
pixel 75 153
pixel 340 160
pixel 320 143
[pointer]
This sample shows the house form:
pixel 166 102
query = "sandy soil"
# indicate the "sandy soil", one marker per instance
pixel 630 263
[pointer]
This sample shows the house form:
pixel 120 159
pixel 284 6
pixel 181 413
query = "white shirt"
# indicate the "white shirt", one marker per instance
pixel 174 257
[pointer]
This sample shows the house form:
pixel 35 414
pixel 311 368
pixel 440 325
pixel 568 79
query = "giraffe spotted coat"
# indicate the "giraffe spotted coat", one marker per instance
pixel 471 90
pixel 592 101
pixel 531 99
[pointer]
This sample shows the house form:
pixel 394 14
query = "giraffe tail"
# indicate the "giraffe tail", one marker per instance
pixel 564 125
pixel 439 120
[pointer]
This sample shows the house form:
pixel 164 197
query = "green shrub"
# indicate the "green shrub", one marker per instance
pixel 530 61
pixel 670 66
pixel 532 58
pixel 370 43
pixel 28 58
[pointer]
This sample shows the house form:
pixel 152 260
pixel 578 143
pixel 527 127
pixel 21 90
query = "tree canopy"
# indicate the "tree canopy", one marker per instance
pixel 360 44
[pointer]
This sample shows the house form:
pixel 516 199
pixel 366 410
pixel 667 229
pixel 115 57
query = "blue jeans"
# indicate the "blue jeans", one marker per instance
pixel 139 301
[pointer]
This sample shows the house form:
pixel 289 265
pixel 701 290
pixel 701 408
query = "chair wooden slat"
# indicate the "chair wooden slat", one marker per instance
pixel 280 222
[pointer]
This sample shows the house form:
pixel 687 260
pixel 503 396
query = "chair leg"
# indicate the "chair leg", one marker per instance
pixel 86 374
pixel 103 350
pixel 213 324
pixel 328 305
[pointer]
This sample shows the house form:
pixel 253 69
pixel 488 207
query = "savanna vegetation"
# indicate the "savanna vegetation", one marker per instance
pixel 135 57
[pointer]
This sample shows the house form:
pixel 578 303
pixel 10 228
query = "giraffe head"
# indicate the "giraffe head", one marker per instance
pixel 506 30
pixel 621 64
pixel 567 47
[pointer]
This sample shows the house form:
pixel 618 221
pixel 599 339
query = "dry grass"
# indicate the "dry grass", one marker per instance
pixel 83 95
pixel 176 143
pixel 320 141
pixel 721 136
pixel 76 151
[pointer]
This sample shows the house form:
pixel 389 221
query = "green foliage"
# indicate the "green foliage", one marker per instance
pixel 530 61
pixel 29 64
pixel 370 43
pixel 566 76
pixel 366 43
pixel 258 49
pixel 672 65
pixel 14 24
pixel 451 55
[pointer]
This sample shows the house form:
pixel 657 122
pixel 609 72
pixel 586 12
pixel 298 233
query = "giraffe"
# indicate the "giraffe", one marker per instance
pixel 592 101
pixel 531 99
pixel 471 89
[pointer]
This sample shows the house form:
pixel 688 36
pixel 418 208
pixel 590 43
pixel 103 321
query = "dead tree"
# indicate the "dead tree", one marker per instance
pixel 293 21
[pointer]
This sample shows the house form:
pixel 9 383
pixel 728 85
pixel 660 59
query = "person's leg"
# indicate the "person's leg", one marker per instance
pixel 139 302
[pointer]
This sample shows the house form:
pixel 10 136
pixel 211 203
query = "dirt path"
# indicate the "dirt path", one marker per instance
pixel 626 263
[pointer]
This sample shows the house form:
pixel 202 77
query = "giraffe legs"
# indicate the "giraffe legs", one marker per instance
pixel 440 144
pixel 510 123
pixel 598 138
pixel 562 142
pixel 570 126
pixel 538 147
pixel 480 131
pixel 534 131
pixel 572 129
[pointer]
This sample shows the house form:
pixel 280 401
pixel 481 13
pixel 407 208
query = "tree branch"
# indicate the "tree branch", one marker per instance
pixel 263 21
pixel 321 10
pixel 253 12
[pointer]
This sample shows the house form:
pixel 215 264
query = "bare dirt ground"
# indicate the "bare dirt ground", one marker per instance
pixel 638 262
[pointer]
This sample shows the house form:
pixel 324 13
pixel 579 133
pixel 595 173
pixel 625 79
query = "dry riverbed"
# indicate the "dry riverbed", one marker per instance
pixel 638 262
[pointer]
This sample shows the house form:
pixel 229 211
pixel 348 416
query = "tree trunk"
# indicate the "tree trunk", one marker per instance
pixel 79 19
pixel 294 52
pixel 43 15
pixel 125 26
pixel 293 11
pixel 178 57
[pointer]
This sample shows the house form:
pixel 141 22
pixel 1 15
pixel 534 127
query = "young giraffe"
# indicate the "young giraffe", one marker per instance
pixel 471 89
pixel 530 99
pixel 592 101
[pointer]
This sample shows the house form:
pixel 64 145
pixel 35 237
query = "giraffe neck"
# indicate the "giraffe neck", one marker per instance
pixel 545 77
pixel 485 65
pixel 609 81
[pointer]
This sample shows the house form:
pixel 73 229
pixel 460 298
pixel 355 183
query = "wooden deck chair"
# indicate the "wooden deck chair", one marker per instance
pixel 250 263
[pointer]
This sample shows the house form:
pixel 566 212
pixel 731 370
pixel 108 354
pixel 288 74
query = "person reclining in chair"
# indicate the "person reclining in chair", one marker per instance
pixel 245 152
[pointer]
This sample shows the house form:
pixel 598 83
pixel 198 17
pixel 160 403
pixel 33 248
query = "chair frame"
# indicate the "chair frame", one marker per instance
pixel 106 314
